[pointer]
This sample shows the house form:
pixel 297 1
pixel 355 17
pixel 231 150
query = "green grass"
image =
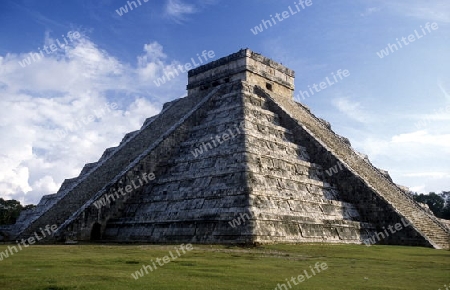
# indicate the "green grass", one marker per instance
pixel 222 267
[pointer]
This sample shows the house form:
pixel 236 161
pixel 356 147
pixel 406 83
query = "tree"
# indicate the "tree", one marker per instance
pixel 10 211
pixel 438 203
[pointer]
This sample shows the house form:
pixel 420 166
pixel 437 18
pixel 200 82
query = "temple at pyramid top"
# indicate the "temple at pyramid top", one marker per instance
pixel 244 65
pixel 236 161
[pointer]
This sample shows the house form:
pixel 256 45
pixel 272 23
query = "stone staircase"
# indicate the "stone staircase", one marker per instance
pixel 85 189
pixel 429 226
pixel 289 197
pixel 173 120
pixel 195 197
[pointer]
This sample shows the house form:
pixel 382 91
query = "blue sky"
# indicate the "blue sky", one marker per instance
pixel 89 58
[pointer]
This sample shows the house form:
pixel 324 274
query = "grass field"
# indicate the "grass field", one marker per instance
pixel 225 267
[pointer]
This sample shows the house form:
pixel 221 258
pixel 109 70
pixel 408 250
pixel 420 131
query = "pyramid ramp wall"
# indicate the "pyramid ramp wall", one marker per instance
pixel 93 181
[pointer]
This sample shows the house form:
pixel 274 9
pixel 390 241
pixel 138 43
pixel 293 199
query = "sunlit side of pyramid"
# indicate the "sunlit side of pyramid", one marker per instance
pixel 236 161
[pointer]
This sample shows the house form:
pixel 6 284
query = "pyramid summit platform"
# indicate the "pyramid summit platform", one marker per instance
pixel 236 161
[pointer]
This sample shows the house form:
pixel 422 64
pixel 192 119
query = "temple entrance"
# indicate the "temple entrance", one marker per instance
pixel 96 232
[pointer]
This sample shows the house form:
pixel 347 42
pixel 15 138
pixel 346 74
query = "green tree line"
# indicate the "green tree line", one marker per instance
pixel 10 211
pixel 439 203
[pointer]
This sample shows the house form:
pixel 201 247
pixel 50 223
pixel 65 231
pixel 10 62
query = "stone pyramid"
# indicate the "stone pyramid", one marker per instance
pixel 236 161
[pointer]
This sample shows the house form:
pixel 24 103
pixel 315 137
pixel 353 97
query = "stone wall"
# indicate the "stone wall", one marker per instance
pixel 244 65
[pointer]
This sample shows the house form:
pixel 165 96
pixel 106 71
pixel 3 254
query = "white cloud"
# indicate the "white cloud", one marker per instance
pixel 420 159
pixel 177 10
pixel 407 145
pixel 154 53
pixel 351 109
pixel 439 117
pixel 45 184
pixel 417 188
pixel 425 182
pixel 370 11
pixel 424 138
pixel 437 175
pixel 152 64
pixel 72 90
pixel 442 114
pixel 436 10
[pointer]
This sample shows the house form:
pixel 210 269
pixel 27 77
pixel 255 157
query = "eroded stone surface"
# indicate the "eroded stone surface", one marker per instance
pixel 236 161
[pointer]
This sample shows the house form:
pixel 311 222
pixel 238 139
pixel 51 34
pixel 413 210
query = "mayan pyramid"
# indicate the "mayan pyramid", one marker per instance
pixel 236 161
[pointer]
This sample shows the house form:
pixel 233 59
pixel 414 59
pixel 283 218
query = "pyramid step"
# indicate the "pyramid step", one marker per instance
pixel 87 168
pixel 67 183
pixel 128 136
pixel 107 153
